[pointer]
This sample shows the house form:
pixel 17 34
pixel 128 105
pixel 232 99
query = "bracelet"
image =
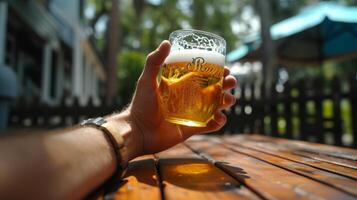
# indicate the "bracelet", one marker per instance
pixel 116 140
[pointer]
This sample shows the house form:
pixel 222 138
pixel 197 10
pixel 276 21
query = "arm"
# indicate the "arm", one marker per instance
pixel 66 164
pixel 69 164
pixel 55 165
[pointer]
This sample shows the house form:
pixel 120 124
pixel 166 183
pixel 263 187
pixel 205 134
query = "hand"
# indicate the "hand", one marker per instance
pixel 156 134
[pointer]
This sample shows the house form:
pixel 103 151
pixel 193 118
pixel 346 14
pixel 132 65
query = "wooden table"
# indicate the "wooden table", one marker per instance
pixel 241 167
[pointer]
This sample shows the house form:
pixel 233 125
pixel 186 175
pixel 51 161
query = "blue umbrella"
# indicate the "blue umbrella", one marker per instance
pixel 319 32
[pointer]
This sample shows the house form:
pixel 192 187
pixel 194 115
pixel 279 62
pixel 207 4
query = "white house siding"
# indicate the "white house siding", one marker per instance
pixel 86 67
pixel 62 26
pixel 3 19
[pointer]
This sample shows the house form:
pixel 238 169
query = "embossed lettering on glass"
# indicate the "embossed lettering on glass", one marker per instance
pixel 191 77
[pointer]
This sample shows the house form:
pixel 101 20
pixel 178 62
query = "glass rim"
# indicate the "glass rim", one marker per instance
pixel 200 32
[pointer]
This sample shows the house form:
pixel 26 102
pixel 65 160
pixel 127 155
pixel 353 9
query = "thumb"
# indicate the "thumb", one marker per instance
pixel 154 60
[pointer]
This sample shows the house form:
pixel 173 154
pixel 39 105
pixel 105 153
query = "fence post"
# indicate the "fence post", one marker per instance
pixel 261 106
pixel 241 117
pixel 21 110
pixel 317 96
pixel 273 102
pixel 252 116
pixel 76 108
pixel 90 108
pixel 235 122
pixel 353 102
pixel 64 109
pixel 36 104
pixel 287 110
pixel 337 121
pixel 231 117
pixel 302 110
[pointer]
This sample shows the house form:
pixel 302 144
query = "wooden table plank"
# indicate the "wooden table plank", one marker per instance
pixel 333 160
pixel 269 181
pixel 268 145
pixel 186 175
pixel 140 181
pixel 340 182
pixel 318 149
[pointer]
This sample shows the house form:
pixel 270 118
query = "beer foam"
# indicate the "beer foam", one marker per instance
pixel 188 54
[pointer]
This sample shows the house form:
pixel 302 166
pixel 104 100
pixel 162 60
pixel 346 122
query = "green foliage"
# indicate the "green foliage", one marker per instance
pixel 131 64
pixel 327 70
pixel 144 28
pixel 131 27
pixel 142 32
pixel 158 22
pixel 346 68
pixel 216 17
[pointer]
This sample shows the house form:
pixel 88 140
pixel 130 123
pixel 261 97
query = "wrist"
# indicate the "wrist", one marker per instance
pixel 130 132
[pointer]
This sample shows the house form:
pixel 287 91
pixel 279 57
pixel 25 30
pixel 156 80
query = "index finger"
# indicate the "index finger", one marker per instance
pixel 226 71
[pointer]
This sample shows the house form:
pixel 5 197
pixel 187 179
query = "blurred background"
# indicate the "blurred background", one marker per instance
pixel 296 61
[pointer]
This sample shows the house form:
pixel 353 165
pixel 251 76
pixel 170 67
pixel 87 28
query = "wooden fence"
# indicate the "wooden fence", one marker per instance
pixel 37 114
pixel 305 110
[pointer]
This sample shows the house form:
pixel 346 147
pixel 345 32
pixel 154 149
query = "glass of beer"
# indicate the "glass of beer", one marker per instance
pixel 191 77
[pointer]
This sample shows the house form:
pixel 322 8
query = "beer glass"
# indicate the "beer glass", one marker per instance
pixel 191 77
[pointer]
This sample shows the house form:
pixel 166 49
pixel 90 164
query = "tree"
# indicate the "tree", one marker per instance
pixel 132 63
pixel 216 17
pixel 199 10
pixel 111 47
pixel 268 49
pixel 143 24
pixel 101 8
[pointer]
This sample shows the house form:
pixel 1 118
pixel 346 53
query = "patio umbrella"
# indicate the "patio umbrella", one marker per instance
pixel 320 32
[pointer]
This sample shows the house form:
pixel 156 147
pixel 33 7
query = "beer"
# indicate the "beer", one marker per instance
pixel 191 86
pixel 191 78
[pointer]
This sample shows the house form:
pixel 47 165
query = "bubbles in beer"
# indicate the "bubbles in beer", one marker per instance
pixel 191 86
pixel 184 40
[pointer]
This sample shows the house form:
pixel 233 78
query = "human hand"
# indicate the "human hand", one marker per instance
pixel 156 134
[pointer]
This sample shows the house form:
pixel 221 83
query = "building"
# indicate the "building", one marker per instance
pixel 46 43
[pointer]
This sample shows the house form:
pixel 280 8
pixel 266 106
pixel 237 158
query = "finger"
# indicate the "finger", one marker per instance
pixel 213 125
pixel 216 124
pixel 226 71
pixel 228 101
pixel 229 82
pixel 155 59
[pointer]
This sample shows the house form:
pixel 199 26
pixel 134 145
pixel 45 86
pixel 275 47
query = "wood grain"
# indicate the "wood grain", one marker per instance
pixel 186 175
pixel 140 182
pixel 274 147
pixel 240 167
pixel 323 149
pixel 269 181
pixel 334 180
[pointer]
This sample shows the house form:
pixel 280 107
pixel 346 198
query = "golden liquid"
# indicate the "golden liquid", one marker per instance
pixel 190 92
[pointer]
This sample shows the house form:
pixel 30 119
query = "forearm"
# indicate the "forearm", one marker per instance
pixel 64 165
pixel 55 164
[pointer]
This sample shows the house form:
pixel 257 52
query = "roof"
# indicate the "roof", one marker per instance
pixel 309 17
pixel 38 18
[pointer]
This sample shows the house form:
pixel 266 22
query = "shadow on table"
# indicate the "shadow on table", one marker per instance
pixel 198 174
pixel 140 168
pixel 189 173
pixel 234 171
